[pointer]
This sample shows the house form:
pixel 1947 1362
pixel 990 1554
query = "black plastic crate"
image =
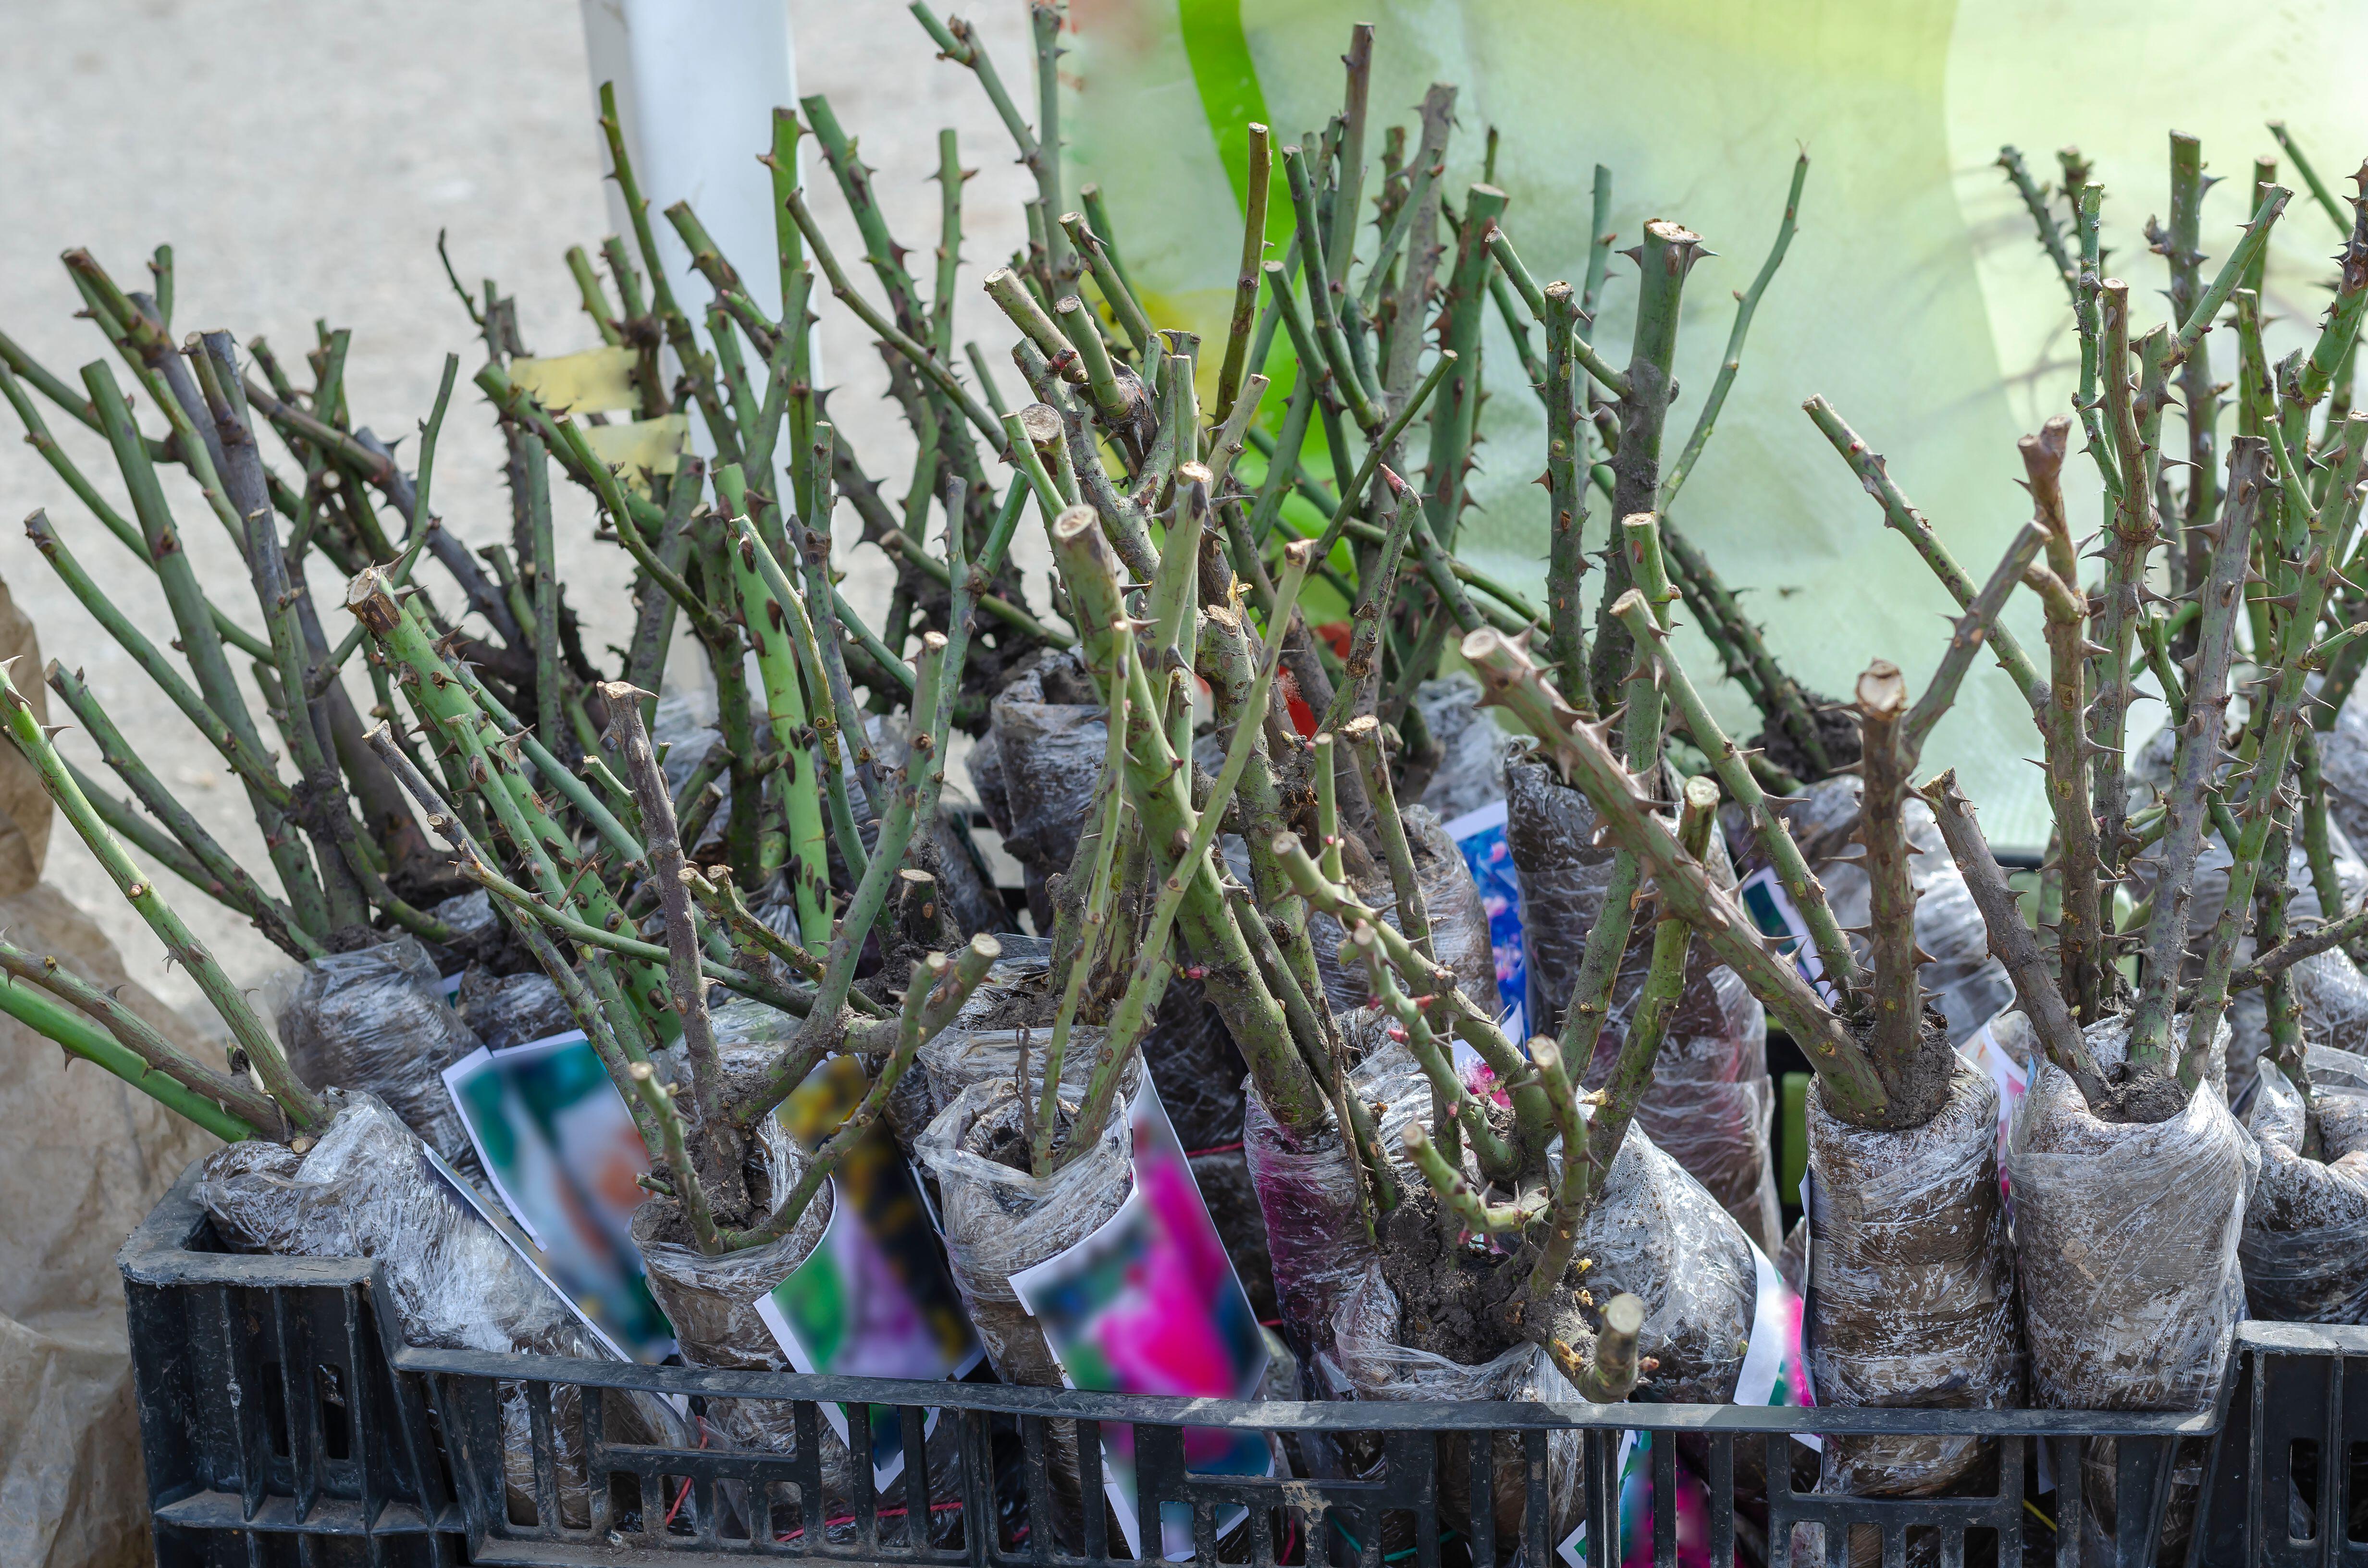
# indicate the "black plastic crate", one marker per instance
pixel 270 1418
pixel 371 1452
pixel 2287 1483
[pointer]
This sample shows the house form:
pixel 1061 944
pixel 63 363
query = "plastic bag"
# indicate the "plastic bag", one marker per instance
pixel 2125 1238
pixel 960 1057
pixel 1471 771
pixel 2306 1241
pixel 963 880
pixel 1036 769
pixel 511 1009
pixel 1658 1234
pixel 2331 995
pixel 2343 766
pixel 2212 879
pixel 366 1190
pixel 1192 1059
pixel 479 937
pixel 1000 1219
pixel 376 1020
pixel 1376 1366
pixel 1911 1287
pixel 1962 979
pixel 1459 930
pixel 1711 1100
pixel 1654 1232
pixel 712 1301
pixel 1307 1186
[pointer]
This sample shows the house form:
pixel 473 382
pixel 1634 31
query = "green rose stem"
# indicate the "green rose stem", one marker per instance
pixel 255 1043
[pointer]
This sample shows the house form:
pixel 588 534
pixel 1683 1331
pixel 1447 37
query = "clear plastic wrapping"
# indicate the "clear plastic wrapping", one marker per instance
pixel 2125 1237
pixel 1654 1232
pixel 1712 1104
pixel 1967 984
pixel 1308 1189
pixel 1191 1057
pixel 2331 995
pixel 1911 1287
pixel 2306 1241
pixel 366 1190
pixel 1377 1366
pixel 1202 1083
pixel 478 934
pixel 1017 991
pixel 376 1020
pixel 712 1301
pixel 1459 927
pixel 2211 884
pixel 503 1010
pixel 960 1057
pixel 999 1219
pixel 2343 766
pixel 1036 769
pixel 963 880
pixel 1658 1234
pixel 1711 1101
pixel 1471 771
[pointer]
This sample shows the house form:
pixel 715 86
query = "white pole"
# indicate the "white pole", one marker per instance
pixel 697 84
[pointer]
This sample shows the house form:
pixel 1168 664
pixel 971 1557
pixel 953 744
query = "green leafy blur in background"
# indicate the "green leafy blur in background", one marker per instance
pixel 1915 299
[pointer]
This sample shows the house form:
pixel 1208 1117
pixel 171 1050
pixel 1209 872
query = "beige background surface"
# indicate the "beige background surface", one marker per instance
pixel 301 159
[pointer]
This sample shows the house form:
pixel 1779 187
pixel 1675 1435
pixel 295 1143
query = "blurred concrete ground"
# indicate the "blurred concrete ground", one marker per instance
pixel 301 159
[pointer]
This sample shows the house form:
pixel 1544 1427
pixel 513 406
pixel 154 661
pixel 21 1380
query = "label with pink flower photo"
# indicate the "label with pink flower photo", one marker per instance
pixel 1149 1303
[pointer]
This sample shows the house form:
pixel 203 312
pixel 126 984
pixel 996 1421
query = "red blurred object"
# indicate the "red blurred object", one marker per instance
pixel 1338 633
pixel 1302 717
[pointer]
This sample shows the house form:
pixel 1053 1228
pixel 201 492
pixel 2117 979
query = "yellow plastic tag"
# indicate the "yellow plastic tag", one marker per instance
pixel 641 449
pixel 598 380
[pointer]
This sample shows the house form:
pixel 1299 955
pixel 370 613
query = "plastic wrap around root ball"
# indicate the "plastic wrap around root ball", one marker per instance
pixel 366 1190
pixel 1655 1233
pixel 712 1301
pixel 1962 978
pixel 2126 1237
pixel 1308 1189
pixel 2330 995
pixel 965 882
pixel 1036 769
pixel 2306 1242
pixel 1192 1060
pixel 2211 880
pixel 1459 929
pixel 2125 1242
pixel 503 1010
pixel 1000 1219
pixel 2343 766
pixel 1911 1288
pixel 479 936
pixel 375 1021
pixel 1470 772
pixel 1710 1099
pixel 1379 1366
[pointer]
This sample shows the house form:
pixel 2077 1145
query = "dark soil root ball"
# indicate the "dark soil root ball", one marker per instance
pixel 2125 1238
pixel 1836 733
pixel 2306 1242
pixel 1710 1100
pixel 1911 1280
